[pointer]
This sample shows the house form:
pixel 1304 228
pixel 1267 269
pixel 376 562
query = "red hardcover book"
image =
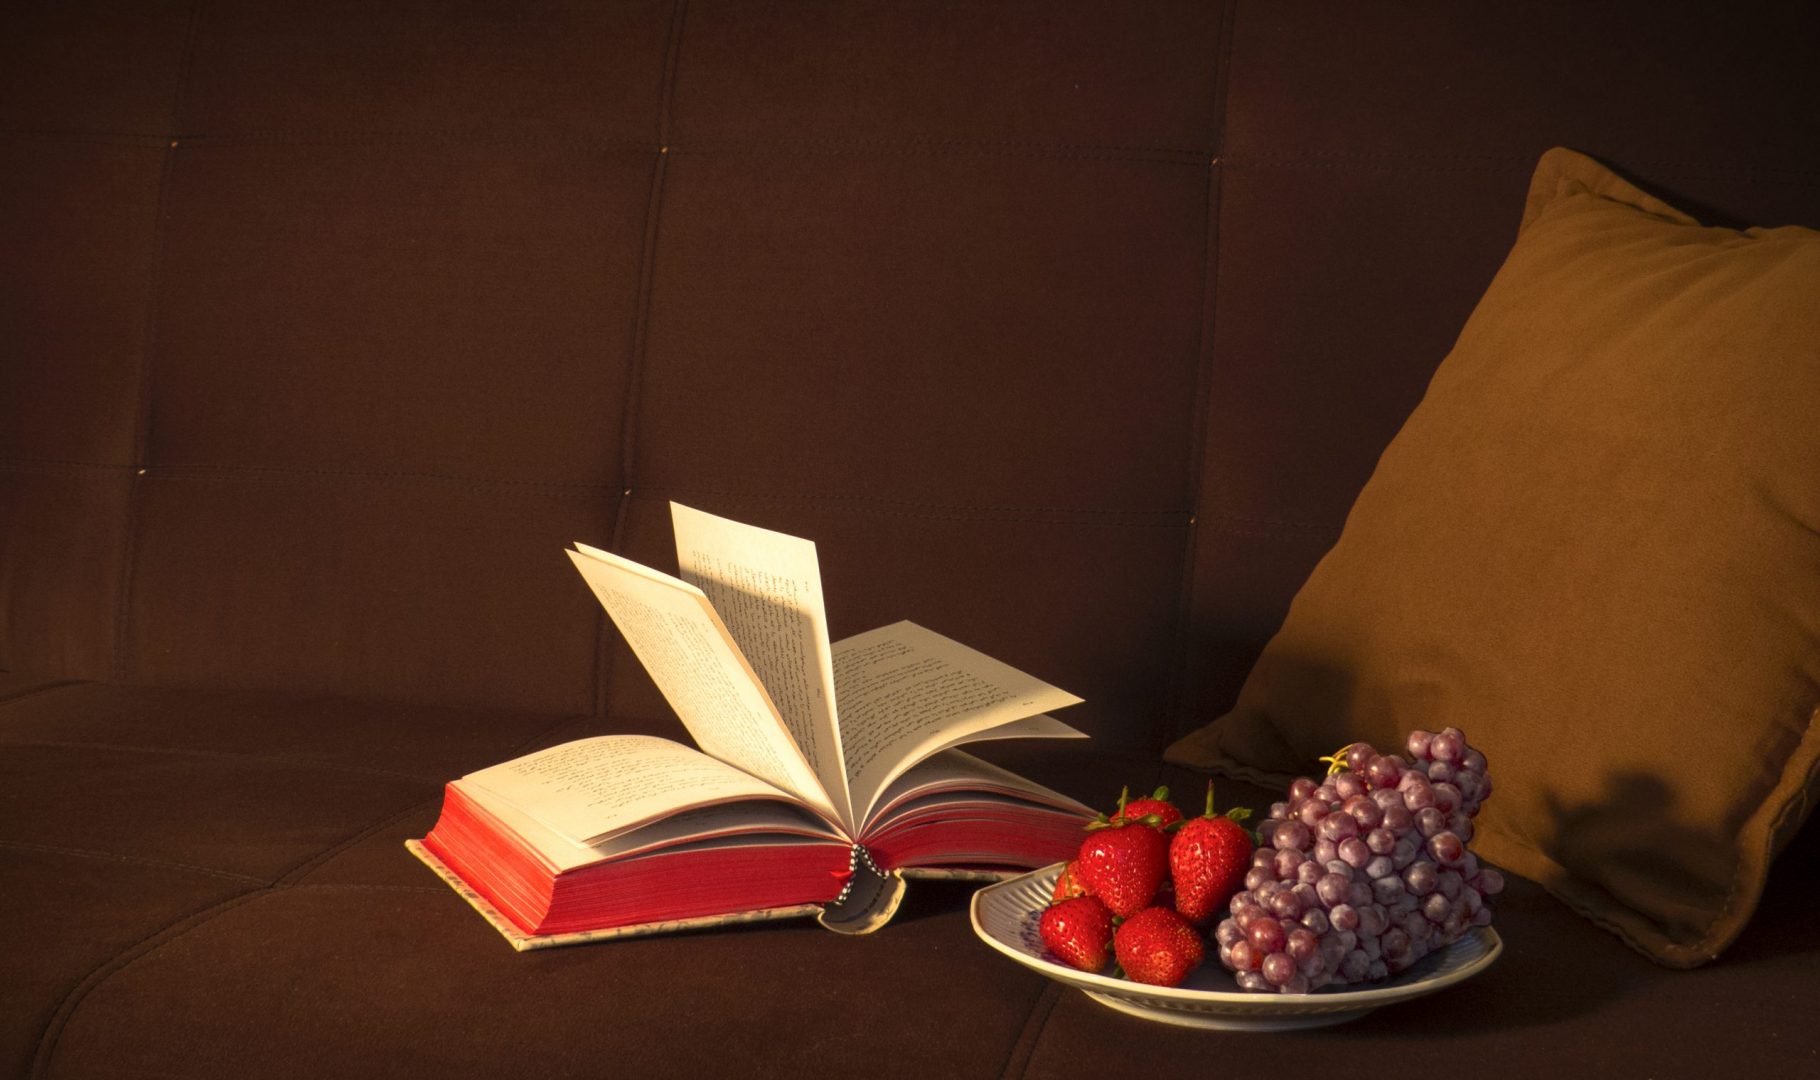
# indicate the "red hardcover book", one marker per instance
pixel 823 774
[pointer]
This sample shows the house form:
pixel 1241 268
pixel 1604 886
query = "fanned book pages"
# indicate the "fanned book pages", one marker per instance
pixel 823 773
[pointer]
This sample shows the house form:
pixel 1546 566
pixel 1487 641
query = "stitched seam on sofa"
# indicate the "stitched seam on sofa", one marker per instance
pixel 308 866
pixel 142 409
pixel 229 755
pixel 947 149
pixel 606 645
pixel 37 690
pixel 1163 520
pixel 138 860
pixel 931 145
pixel 1179 706
pixel 100 973
pixel 912 504
pixel 1526 158
pixel 1017 1061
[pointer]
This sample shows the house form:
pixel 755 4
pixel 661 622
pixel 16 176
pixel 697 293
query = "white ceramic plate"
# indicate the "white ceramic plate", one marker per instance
pixel 1005 917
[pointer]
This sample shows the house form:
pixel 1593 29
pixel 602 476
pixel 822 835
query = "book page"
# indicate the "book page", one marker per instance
pixel 591 790
pixel 906 692
pixel 964 777
pixel 767 587
pixel 693 660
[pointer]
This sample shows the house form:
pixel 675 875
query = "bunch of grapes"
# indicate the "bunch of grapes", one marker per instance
pixel 1359 876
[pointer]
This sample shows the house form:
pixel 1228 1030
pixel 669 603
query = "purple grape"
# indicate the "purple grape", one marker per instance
pixel 1308 872
pixel 1358 894
pixel 1397 818
pixel 1252 980
pixel 1468 783
pixel 1286 906
pixel 1299 984
pixel 1483 918
pixel 1343 917
pixel 1348 784
pixel 1263 855
pixel 1278 968
pixel 1419 878
pixel 1337 827
pixel 1381 841
pixel 1387 890
pixel 1258 876
pixel 1332 888
pixel 1240 901
pixel 1447 798
pixel 1228 933
pixel 1303 944
pixel 1316 921
pixel 1312 812
pixel 1267 831
pixel 1383 772
pixel 1292 835
pixel 1418 794
pixel 1368 814
pixel 1446 848
pixel 1302 788
pixel 1307 895
pixel 1386 797
pixel 1354 965
pixel 1372 947
pixel 1448 746
pixel 1379 867
pixel 1357 755
pixel 1417 744
pixel 1287 860
pixel 1473 761
pixel 1279 811
pixel 1245 956
pixel 1325 851
pixel 1489 882
pixel 1266 934
pixel 1449 883
pixel 1372 920
pixel 1430 821
pixel 1436 908
pixel 1354 852
pixel 1440 772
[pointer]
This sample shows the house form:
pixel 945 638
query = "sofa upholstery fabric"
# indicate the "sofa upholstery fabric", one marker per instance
pixel 1069 329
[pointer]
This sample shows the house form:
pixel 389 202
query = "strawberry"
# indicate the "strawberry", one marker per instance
pixel 1208 857
pixel 1123 861
pixel 1158 947
pixel 1079 931
pixel 1157 804
pixel 1068 885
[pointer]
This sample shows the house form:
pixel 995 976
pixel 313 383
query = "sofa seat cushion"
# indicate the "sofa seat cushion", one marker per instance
pixel 182 919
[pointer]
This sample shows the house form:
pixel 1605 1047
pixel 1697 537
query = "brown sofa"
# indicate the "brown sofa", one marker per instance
pixel 1069 329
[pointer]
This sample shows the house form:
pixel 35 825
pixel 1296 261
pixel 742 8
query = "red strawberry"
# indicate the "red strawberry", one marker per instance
pixel 1208 857
pixel 1123 862
pixel 1068 885
pixel 1079 931
pixel 1157 804
pixel 1158 947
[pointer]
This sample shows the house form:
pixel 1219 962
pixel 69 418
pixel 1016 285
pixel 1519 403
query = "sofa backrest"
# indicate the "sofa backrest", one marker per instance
pixel 1068 329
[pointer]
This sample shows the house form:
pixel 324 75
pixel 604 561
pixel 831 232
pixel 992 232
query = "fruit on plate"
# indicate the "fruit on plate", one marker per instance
pixel 1068 885
pixel 1158 947
pixel 1208 858
pixel 1155 804
pixel 1079 931
pixel 1123 861
pixel 1360 874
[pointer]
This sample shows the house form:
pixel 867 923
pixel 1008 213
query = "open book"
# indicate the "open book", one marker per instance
pixel 823 772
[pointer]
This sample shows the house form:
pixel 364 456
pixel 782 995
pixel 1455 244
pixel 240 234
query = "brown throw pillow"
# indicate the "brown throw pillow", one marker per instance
pixel 1595 548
